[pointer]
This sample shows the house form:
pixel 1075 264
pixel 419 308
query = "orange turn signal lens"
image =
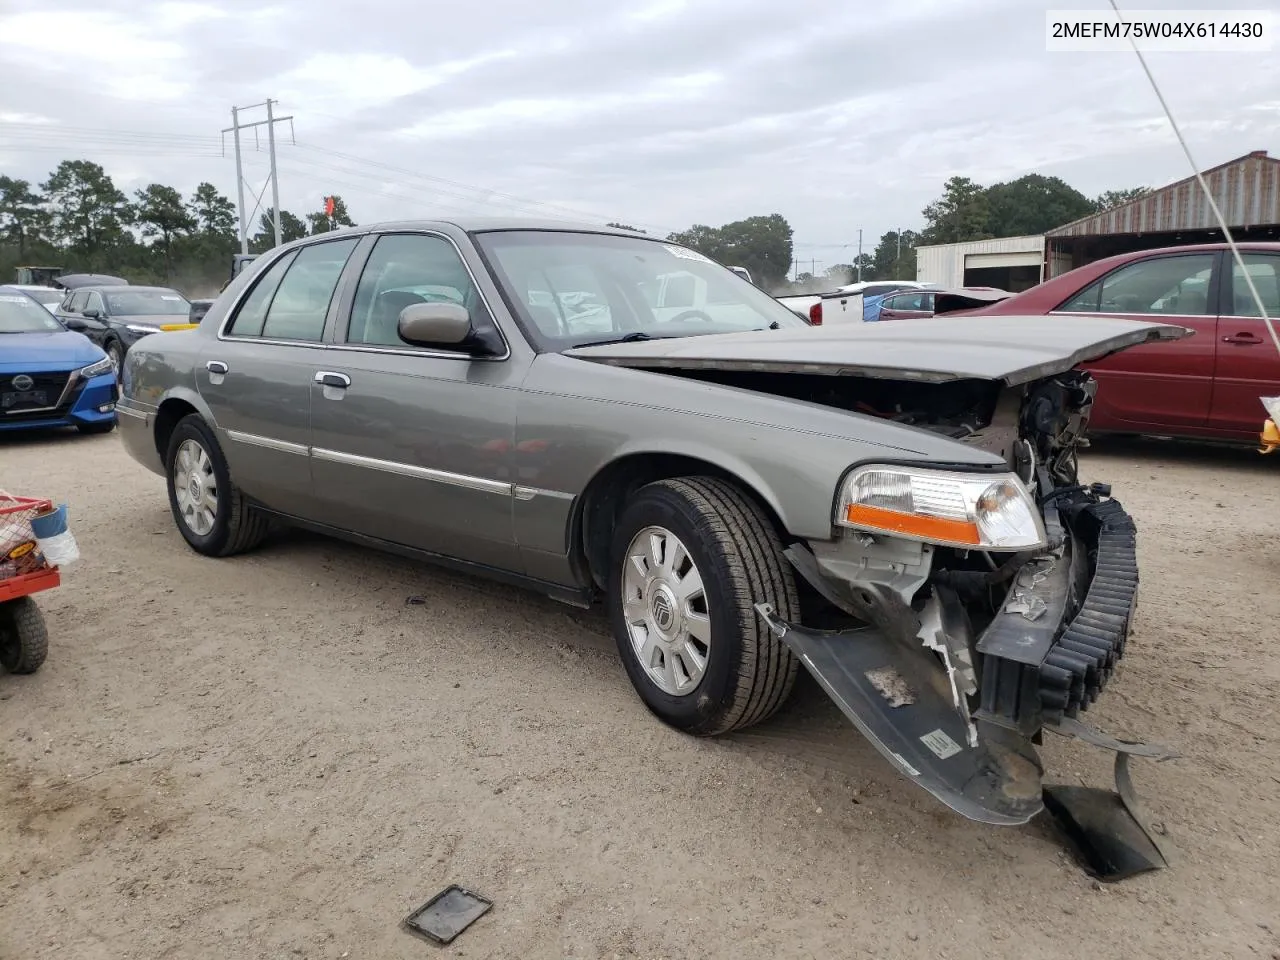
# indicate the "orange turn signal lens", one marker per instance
pixel 169 327
pixel 926 528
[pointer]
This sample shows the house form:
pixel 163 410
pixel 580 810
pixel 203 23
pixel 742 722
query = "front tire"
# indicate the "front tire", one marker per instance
pixel 212 514
pixel 690 559
pixel 116 352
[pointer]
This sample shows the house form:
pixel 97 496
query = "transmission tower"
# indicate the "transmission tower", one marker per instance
pixel 272 178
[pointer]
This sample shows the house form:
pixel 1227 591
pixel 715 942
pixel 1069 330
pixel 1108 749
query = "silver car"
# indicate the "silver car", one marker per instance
pixel 894 506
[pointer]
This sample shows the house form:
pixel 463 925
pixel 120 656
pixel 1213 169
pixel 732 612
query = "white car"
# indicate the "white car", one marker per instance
pixel 49 297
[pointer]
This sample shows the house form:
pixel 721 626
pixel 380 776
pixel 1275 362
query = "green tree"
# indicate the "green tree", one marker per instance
pixel 20 215
pixel 895 256
pixel 213 213
pixel 322 222
pixel 1117 198
pixel 625 226
pixel 89 212
pixel 961 213
pixel 1033 204
pixel 292 227
pixel 762 244
pixel 161 214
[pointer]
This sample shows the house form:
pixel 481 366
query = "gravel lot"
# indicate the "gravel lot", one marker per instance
pixel 277 756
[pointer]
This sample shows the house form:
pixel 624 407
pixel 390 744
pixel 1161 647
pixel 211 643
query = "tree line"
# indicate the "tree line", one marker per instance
pixel 80 220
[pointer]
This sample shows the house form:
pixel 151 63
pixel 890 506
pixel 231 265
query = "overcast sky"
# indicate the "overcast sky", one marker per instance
pixel 660 113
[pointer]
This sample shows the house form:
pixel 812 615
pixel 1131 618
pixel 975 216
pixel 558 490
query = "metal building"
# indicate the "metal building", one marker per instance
pixel 1007 263
pixel 1247 191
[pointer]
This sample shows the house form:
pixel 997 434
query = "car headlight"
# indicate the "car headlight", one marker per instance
pixel 140 328
pixel 977 511
pixel 97 368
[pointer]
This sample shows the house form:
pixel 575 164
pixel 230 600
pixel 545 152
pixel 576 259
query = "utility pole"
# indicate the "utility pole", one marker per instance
pixel 273 178
pixel 859 260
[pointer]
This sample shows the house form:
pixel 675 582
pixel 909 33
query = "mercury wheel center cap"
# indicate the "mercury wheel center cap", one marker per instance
pixel 195 487
pixel 662 606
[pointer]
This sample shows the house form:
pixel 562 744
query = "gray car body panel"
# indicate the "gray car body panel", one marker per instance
pixel 1011 349
pixel 485 460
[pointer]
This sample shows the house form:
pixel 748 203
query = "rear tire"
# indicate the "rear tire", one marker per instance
pixel 24 638
pixel 703 531
pixel 211 513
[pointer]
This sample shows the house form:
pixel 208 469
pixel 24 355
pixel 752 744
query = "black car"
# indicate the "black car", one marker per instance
pixel 116 317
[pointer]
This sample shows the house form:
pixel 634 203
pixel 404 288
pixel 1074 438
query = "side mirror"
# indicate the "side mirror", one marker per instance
pixel 434 324
pixel 75 323
pixel 91 312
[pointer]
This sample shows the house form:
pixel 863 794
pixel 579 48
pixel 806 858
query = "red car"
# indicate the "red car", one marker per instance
pixel 1205 386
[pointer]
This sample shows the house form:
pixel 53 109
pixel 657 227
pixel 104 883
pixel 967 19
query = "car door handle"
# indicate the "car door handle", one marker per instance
pixel 328 378
pixel 216 366
pixel 1243 338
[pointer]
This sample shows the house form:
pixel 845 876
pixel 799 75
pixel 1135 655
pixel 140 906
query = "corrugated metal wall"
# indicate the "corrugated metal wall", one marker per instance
pixel 1247 191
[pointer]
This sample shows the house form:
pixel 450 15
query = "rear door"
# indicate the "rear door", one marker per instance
pixel 1248 365
pixel 256 377
pixel 1159 384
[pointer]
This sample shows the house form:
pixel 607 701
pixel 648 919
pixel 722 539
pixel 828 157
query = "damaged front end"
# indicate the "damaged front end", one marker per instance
pixel 960 615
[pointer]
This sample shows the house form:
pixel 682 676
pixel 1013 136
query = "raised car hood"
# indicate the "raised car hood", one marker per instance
pixel 1008 348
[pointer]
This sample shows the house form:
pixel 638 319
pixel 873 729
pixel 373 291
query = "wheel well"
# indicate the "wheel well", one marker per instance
pixel 171 411
pixel 609 490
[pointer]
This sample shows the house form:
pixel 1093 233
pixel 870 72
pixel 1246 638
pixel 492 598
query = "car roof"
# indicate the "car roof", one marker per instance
pixel 476 224
pixel 116 288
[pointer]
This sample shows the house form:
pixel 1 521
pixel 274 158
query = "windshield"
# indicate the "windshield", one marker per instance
pixel 146 303
pixel 571 289
pixel 20 314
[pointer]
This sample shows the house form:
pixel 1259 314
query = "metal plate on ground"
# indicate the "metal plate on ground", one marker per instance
pixel 447 914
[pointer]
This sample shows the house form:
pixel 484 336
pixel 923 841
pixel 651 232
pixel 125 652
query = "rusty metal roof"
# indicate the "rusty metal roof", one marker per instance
pixel 1247 191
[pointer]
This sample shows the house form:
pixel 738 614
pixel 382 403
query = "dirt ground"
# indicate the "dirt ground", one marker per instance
pixel 278 756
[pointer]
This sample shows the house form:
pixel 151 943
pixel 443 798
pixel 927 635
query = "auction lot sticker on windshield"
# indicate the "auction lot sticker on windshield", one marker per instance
pixel 686 254
pixel 11 299
pixel 169 296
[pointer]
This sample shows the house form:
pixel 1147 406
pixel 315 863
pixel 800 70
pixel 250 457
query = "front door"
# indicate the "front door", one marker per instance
pixel 1248 359
pixel 256 377
pixel 414 445
pixel 1156 384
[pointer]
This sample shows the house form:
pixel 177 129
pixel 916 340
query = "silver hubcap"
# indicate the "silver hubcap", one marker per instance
pixel 113 352
pixel 196 487
pixel 665 605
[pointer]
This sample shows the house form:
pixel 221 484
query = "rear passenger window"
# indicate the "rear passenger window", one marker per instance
pixel 252 314
pixel 301 302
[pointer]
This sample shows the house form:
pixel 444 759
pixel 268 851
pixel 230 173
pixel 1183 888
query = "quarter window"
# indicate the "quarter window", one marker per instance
pixel 404 269
pixel 1161 285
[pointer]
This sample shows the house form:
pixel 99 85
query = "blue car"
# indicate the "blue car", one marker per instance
pixel 49 375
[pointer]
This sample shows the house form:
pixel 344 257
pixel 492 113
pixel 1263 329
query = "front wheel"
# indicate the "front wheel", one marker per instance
pixel 212 514
pixel 116 354
pixel 691 557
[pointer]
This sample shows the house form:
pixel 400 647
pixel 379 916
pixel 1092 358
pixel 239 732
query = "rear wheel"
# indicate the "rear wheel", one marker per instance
pixel 212 515
pixel 24 639
pixel 691 557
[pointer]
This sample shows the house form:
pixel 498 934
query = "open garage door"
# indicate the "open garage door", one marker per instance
pixel 1005 271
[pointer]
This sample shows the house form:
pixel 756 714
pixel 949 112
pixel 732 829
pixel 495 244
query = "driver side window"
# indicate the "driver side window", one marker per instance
pixel 95 303
pixel 404 269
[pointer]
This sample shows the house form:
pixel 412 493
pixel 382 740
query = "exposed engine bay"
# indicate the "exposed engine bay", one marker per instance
pixel 955 661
